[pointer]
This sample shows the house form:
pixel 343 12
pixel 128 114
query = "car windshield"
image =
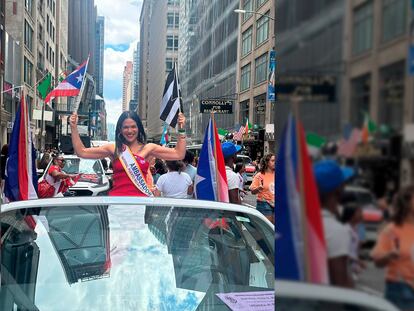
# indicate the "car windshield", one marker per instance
pixel 246 160
pixel 126 257
pixel 364 198
pixel 83 166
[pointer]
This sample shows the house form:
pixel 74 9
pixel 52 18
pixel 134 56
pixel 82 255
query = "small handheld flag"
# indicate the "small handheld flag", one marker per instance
pixel 72 85
pixel 164 135
pixel 211 179
pixel 300 238
pixel 21 177
pixel 171 103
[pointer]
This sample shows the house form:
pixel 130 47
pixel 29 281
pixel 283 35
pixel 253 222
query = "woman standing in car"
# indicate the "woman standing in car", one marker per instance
pixel 395 251
pixel 130 153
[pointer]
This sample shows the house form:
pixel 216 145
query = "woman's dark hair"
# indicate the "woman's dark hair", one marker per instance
pixel 238 167
pixel 189 157
pixel 175 166
pixel 119 139
pixel 5 150
pixel 264 162
pixel 349 211
pixel 402 205
pixel 160 166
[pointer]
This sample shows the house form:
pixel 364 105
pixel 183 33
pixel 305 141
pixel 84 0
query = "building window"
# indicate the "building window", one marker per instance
pixel 170 20
pixel 28 36
pixel 169 63
pixel 248 6
pixel 360 98
pixel 247 41
pixel 172 43
pixel 28 4
pixel 245 78
pixel 393 18
pixel 261 69
pixel 28 69
pixel 177 20
pixel 392 95
pixel 244 111
pixel 362 28
pixel 259 3
pixel 262 30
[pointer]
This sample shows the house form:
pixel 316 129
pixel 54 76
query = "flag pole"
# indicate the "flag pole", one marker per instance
pixel 295 107
pixel 79 97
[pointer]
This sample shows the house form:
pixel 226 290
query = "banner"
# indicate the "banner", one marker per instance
pixel 272 72
pixel 411 60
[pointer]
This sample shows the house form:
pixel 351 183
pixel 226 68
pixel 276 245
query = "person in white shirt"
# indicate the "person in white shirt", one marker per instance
pixel 330 178
pixel 229 153
pixel 189 168
pixel 239 169
pixel 175 183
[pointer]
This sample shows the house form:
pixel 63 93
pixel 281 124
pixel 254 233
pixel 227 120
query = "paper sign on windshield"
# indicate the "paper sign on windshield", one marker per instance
pixel 249 301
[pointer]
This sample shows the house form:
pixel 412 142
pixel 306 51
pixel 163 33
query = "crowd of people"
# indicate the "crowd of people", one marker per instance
pixel 394 248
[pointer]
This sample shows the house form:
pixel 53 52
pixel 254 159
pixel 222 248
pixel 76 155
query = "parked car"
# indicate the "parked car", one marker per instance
pixel 93 180
pixel 311 297
pixel 130 253
pixel 250 168
pixel 372 216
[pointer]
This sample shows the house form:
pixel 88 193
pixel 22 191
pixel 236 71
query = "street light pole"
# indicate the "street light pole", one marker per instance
pixel 240 11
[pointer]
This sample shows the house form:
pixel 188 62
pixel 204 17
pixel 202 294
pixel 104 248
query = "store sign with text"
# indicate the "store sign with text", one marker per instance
pixel 222 106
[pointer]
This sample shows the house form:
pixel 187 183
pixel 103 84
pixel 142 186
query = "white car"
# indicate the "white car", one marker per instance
pixel 131 253
pixel 311 297
pixel 93 180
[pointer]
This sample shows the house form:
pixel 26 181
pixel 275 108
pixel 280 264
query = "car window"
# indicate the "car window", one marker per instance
pixel 364 198
pixel 298 304
pixel 129 257
pixel 84 166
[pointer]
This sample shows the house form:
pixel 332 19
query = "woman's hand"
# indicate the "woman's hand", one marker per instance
pixel 73 120
pixel 181 120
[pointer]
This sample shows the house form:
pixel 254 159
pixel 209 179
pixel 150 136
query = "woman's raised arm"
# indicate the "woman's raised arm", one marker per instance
pixel 80 149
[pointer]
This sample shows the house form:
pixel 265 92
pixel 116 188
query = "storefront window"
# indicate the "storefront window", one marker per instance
pixel 260 111
pixel 392 95
pixel 360 97
pixel 244 111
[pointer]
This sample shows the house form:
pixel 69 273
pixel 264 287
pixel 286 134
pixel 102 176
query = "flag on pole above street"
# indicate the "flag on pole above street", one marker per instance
pixel 71 85
pixel 300 240
pixel 44 86
pixel 21 177
pixel 247 127
pixel 238 136
pixel 171 103
pixel 211 179
pixel 368 129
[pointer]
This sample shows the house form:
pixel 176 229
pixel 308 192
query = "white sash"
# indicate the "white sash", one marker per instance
pixel 133 171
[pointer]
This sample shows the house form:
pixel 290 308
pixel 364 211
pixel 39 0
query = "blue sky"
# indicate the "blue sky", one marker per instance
pixel 121 37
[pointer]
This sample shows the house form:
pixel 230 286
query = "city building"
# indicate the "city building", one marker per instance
pixel 3 124
pixel 159 23
pixel 378 80
pixel 34 25
pixel 310 37
pixel 99 54
pixel 136 72
pixel 127 85
pixel 256 40
pixel 82 24
pixel 208 66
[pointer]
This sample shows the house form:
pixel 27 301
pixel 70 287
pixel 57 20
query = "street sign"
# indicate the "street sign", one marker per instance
pixel 222 106
pixel 319 88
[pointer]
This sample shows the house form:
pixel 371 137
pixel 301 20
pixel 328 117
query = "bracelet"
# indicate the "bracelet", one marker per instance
pixel 180 131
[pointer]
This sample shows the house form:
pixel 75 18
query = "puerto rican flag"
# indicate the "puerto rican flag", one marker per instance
pixel 71 86
pixel 21 177
pixel 211 180
pixel 300 242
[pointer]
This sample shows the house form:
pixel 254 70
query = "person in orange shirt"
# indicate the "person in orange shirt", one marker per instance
pixel 263 185
pixel 395 251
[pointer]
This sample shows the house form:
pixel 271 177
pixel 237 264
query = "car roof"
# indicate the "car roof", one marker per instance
pixel 297 290
pixel 357 189
pixel 114 200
